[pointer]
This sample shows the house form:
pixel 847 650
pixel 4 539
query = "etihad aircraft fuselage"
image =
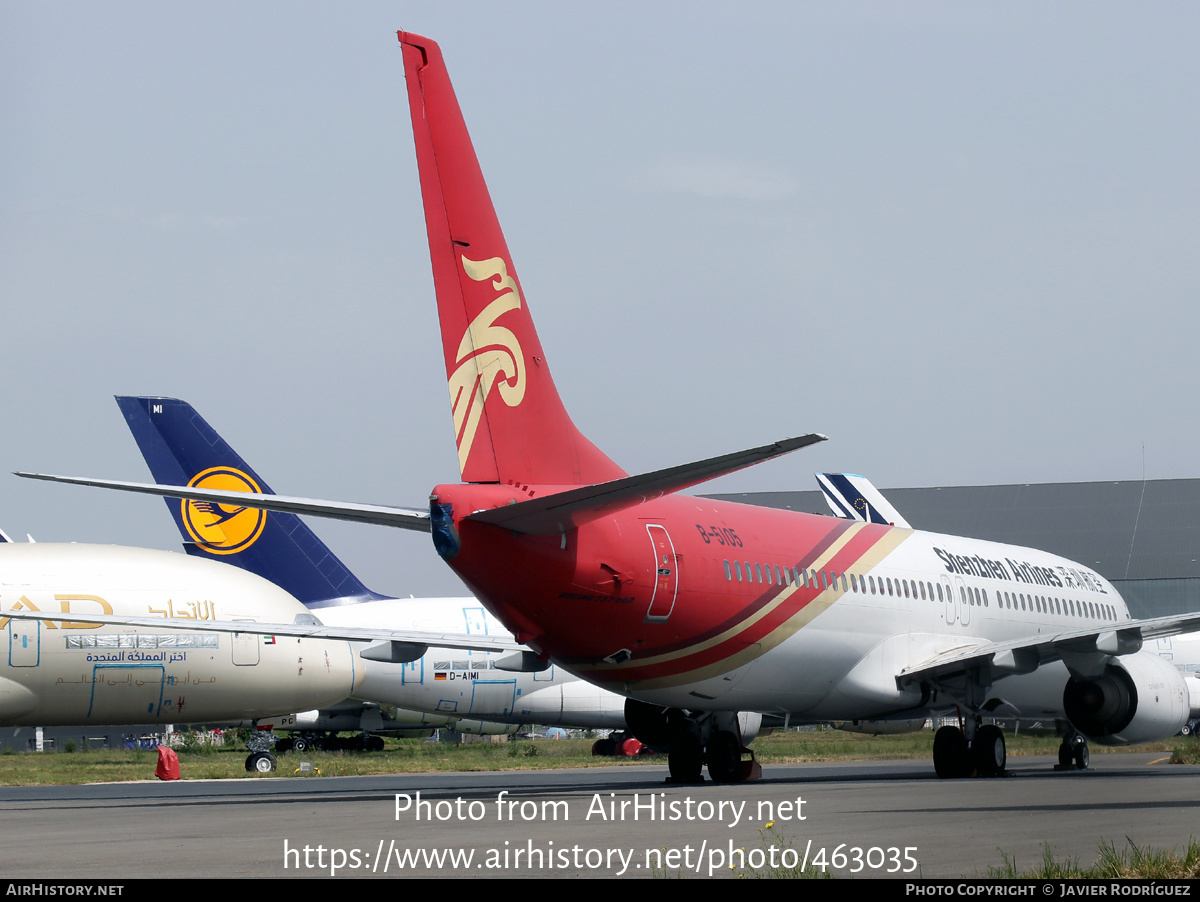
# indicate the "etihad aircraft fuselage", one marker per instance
pixel 70 671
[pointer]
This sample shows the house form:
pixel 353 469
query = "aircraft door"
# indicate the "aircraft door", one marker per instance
pixel 24 643
pixel 964 604
pixel 121 693
pixel 666 576
pixel 245 648
pixel 493 697
pixel 948 603
pixel 476 621
pixel 413 672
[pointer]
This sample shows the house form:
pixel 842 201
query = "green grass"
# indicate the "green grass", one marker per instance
pixel 1186 750
pixel 418 756
pixel 1132 862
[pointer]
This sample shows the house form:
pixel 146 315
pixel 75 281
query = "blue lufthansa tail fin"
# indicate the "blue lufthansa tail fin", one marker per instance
pixel 182 449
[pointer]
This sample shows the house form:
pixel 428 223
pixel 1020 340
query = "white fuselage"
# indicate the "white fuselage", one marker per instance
pixel 839 657
pixel 462 684
pixel 70 671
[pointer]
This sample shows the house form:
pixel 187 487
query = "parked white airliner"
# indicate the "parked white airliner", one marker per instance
pixel 70 670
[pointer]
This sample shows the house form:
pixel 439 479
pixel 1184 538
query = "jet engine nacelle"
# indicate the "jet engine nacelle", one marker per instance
pixel 1138 698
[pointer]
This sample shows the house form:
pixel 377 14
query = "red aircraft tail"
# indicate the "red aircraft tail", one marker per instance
pixel 509 422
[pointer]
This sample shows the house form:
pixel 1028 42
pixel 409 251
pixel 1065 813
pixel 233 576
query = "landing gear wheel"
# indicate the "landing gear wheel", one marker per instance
pixel 1082 756
pixel 950 753
pixel 1074 754
pixel 686 759
pixel 1065 758
pixel 724 756
pixel 300 744
pixel 375 744
pixel 604 748
pixel 988 750
pixel 262 762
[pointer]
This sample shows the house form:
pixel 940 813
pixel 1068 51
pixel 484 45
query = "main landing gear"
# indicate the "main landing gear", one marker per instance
pixel 1073 753
pixel 728 760
pixel 260 762
pixel 695 739
pixel 979 751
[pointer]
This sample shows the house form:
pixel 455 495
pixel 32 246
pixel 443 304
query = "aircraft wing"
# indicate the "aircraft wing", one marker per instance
pixel 1027 654
pixel 413 639
pixel 401 517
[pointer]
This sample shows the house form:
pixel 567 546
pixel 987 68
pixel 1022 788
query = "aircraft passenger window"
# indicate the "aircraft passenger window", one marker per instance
pixel 871 582
pixel 758 571
pixel 737 568
pixel 985 603
pixel 939 588
pixel 843 582
pixel 768 569
pixel 728 572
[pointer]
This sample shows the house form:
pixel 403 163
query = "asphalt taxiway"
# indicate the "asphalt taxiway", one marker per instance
pixel 890 818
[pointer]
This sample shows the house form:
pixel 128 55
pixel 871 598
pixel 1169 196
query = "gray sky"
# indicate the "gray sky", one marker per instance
pixel 960 239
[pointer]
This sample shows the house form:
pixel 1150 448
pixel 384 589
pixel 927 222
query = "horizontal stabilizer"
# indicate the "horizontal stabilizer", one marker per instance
pixel 559 512
pixel 400 517
pixel 410 638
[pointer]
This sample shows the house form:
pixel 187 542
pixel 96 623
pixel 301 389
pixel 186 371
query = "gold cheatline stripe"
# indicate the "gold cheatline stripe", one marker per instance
pixel 822 602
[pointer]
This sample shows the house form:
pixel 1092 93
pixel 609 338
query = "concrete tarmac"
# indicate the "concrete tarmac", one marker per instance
pixel 878 819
